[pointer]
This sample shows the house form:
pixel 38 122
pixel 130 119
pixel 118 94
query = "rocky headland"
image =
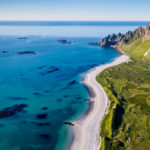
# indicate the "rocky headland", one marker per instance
pixel 115 40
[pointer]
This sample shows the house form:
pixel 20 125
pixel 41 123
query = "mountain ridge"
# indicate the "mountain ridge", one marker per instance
pixel 115 40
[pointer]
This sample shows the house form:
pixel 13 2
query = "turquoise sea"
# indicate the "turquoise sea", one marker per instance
pixel 41 78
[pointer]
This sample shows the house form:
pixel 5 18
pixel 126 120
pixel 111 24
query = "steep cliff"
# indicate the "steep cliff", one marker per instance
pixel 119 39
pixel 147 33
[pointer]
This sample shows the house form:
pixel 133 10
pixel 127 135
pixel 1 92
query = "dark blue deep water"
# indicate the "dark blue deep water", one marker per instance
pixel 42 88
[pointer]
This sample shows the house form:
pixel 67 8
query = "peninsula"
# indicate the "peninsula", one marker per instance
pixel 125 124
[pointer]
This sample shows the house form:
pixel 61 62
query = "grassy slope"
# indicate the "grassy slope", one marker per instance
pixel 127 124
pixel 136 49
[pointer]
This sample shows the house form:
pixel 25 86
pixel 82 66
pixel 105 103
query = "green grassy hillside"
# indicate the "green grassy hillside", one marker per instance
pixel 136 49
pixel 127 124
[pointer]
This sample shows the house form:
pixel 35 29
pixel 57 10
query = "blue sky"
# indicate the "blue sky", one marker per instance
pixel 75 10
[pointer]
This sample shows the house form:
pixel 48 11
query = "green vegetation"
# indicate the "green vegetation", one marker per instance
pixel 127 123
pixel 137 49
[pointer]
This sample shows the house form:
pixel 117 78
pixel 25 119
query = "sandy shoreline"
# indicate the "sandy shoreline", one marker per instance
pixel 86 130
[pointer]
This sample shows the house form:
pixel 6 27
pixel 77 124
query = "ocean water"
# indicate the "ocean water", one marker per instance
pixel 42 89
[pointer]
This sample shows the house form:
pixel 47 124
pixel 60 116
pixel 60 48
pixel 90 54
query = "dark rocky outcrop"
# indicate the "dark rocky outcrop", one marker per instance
pixel 44 124
pixel 16 108
pixel 65 42
pixel 147 33
pixel 47 70
pixel 41 116
pixel 4 52
pixel 69 123
pixel 88 100
pixel 115 40
pixel 45 108
pixel 78 97
pixel 22 38
pixel 10 111
pixel 73 82
pixel 53 70
pixel 26 52
pixel 37 94
pixel 138 33
pixel 5 114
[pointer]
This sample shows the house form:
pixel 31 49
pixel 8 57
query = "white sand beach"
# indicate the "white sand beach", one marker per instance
pixel 86 130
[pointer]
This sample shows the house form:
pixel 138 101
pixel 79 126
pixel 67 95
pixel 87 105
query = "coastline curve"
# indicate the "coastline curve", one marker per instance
pixel 86 129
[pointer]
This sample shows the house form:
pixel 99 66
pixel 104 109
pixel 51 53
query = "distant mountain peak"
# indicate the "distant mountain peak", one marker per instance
pixel 119 39
pixel 147 32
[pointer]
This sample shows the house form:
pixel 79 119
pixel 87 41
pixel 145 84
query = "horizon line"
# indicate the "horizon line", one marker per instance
pixel 85 20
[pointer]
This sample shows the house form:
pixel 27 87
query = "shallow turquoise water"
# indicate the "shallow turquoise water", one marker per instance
pixel 24 79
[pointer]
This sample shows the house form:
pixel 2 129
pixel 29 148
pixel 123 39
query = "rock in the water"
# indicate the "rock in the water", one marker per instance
pixel 41 116
pixel 37 94
pixel 4 52
pixel 44 108
pixel 69 123
pixel 26 52
pixel 53 70
pixel 22 38
pixel 15 108
pixel 78 97
pixel 10 111
pixel 73 82
pixel 65 42
pixel 5 114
